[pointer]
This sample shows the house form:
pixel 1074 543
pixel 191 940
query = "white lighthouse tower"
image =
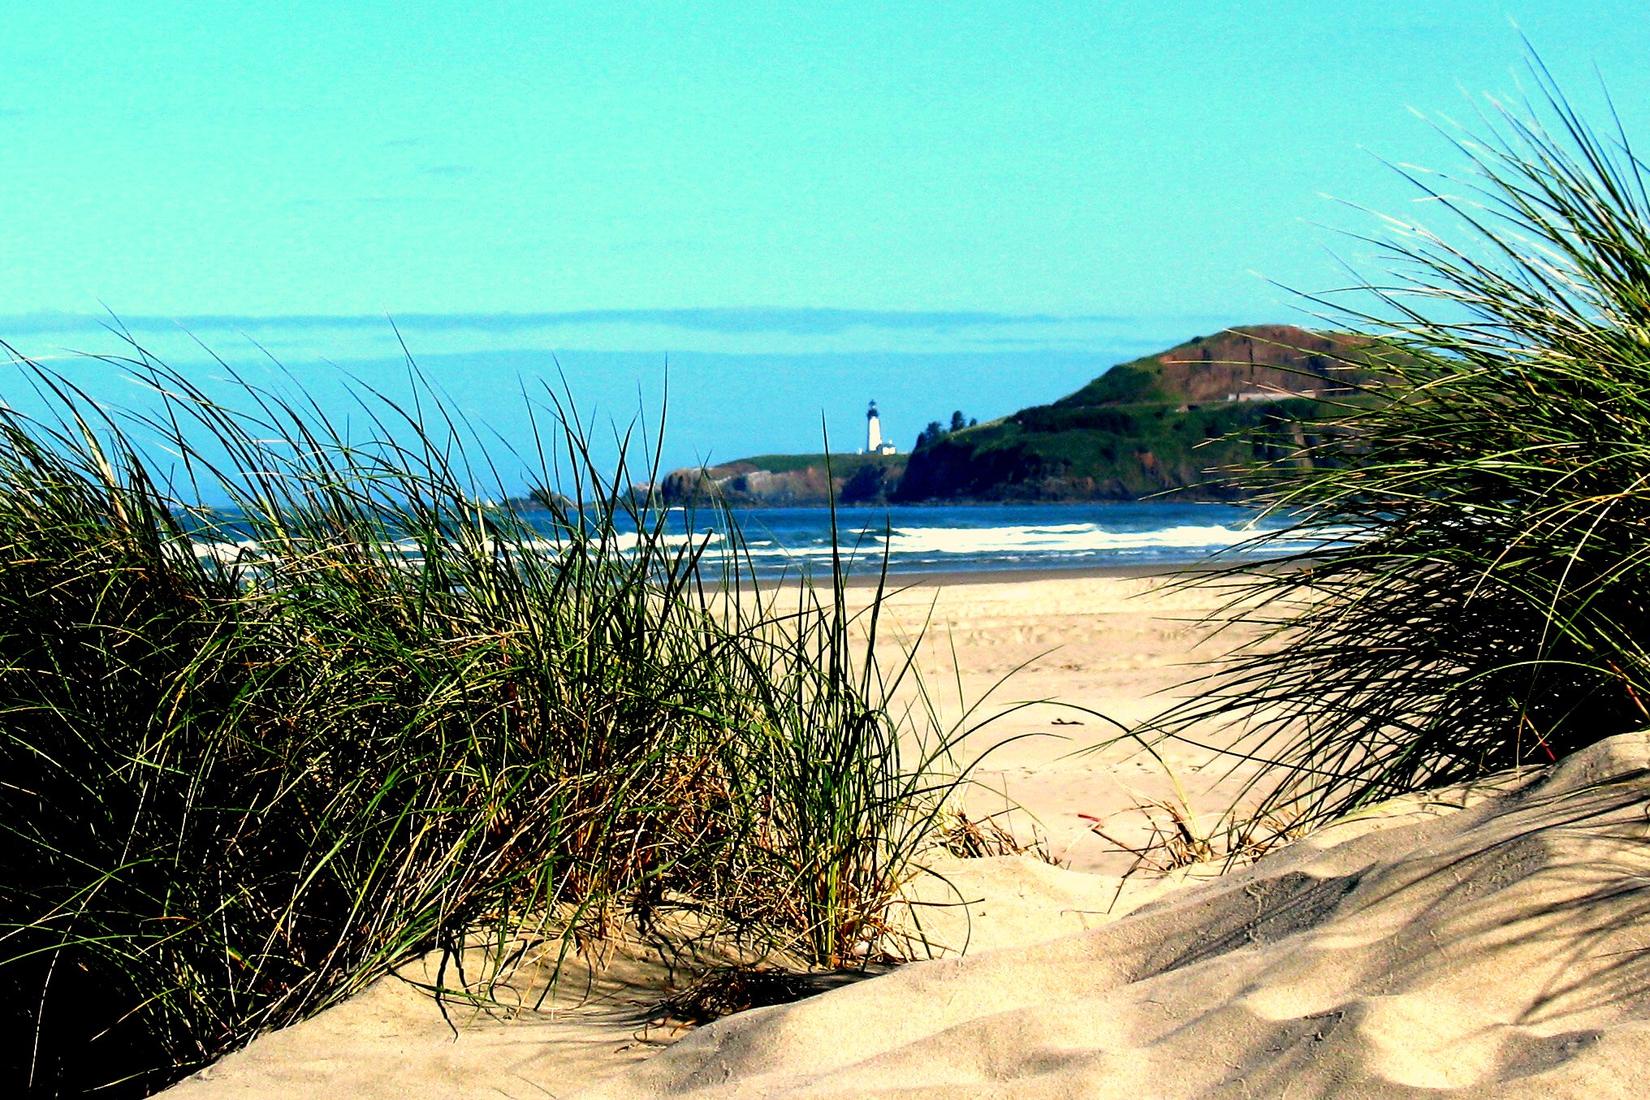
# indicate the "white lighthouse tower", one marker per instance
pixel 874 443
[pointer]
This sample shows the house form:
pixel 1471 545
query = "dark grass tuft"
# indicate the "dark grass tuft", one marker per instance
pixel 1493 607
pixel 383 717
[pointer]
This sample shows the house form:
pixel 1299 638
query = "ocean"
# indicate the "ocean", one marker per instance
pixel 983 538
pixel 922 539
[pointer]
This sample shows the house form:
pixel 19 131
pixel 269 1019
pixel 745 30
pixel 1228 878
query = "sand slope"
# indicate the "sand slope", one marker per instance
pixel 1496 950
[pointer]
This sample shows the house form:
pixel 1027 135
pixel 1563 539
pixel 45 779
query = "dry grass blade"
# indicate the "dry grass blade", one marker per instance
pixel 980 838
pixel 1175 839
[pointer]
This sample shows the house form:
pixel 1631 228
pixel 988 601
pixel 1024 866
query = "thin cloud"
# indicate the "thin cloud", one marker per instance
pixel 391 200
pixel 790 321
pixel 447 171
pixel 756 331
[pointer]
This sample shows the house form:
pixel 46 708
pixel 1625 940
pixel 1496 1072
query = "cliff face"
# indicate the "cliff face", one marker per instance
pixel 1155 425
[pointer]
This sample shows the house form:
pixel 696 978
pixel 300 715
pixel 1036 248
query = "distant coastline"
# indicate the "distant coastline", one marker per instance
pixel 1163 424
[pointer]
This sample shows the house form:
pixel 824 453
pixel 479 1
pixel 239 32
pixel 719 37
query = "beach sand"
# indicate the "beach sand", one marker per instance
pixel 1061 667
pixel 1487 943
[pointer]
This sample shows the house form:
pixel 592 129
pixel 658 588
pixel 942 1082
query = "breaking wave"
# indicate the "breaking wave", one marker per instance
pixel 777 541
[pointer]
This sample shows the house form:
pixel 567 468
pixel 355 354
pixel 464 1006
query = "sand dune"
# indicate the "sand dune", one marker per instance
pixel 1495 950
pixel 1486 943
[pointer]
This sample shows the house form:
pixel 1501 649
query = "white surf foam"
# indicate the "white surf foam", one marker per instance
pixel 1063 538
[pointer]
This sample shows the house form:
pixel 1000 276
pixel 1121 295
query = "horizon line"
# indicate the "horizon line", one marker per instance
pixel 791 320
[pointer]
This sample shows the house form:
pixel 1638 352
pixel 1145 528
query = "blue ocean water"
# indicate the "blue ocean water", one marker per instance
pixel 922 539
pixel 984 537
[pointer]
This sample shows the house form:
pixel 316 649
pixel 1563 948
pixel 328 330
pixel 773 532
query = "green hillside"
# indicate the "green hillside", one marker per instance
pixel 1161 423
pixel 1100 453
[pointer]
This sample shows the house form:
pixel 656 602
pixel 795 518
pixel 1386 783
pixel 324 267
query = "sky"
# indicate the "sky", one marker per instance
pixel 797 207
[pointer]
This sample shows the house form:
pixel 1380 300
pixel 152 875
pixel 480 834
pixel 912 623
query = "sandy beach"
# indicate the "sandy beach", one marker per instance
pixel 1062 666
pixel 1486 942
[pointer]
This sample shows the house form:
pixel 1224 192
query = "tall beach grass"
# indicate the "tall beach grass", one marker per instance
pixel 1491 607
pixel 251 756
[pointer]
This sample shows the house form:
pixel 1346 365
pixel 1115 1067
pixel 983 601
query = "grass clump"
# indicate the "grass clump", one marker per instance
pixel 254 755
pixel 1480 595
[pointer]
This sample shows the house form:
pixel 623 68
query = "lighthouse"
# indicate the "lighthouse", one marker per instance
pixel 874 443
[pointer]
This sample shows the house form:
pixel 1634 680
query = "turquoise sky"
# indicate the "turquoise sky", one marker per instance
pixel 1071 180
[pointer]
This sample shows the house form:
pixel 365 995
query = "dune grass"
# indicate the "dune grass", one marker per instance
pixel 251 757
pixel 1493 608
